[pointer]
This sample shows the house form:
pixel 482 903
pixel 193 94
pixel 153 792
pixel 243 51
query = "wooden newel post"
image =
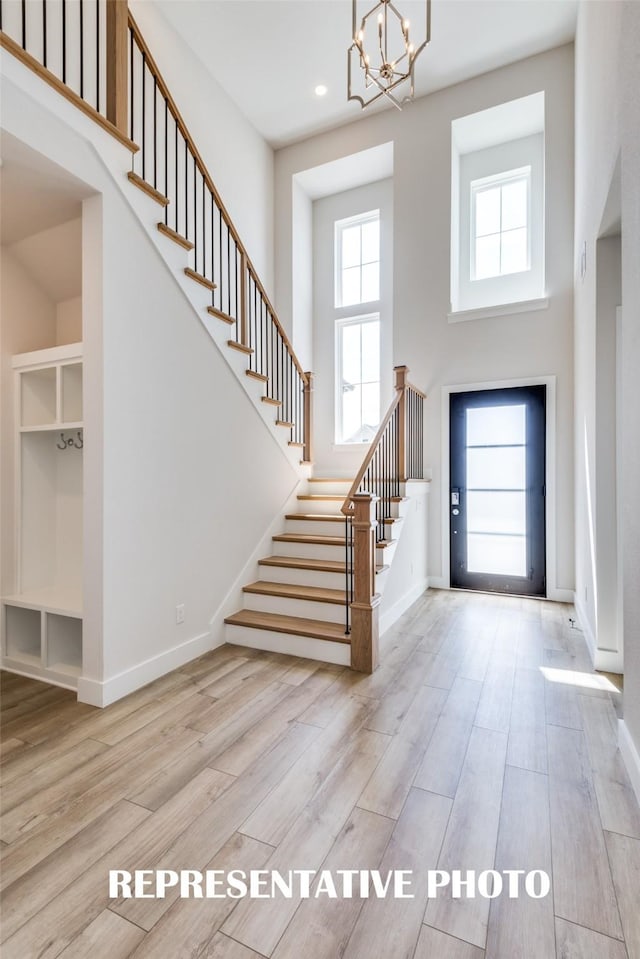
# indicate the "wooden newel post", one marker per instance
pixel 117 78
pixel 365 629
pixel 401 386
pixel 308 419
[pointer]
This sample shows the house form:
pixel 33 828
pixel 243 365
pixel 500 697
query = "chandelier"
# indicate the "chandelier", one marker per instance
pixel 383 49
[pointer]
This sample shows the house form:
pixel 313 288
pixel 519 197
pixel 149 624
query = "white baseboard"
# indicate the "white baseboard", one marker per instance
pixel 438 582
pixel 557 595
pixel 585 627
pixel 608 661
pixel 97 693
pixel 388 618
pixel 630 756
pixel 604 660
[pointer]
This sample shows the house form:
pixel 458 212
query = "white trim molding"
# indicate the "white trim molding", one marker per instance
pixel 500 309
pixel 553 591
pixel 97 693
pixel 630 756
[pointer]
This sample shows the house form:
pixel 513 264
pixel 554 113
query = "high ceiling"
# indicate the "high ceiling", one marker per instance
pixel 269 55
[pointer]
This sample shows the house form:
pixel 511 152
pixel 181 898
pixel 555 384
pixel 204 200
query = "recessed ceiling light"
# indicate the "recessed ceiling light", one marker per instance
pixel 320 90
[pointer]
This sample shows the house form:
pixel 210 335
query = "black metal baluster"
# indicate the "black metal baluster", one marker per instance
pixel 229 276
pixel 166 158
pixel 186 189
pixel 24 24
pixel 82 49
pixel 155 132
pixel 204 227
pixel 177 193
pixel 143 88
pixel 98 55
pixel 44 33
pixel 64 41
pixel 64 60
pixel 195 216
pixel 213 261
pixel 220 255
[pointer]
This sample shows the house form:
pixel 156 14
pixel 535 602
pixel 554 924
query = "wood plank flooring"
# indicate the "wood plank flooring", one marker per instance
pixel 484 741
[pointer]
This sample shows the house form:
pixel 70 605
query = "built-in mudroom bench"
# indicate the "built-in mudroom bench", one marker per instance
pixel 42 619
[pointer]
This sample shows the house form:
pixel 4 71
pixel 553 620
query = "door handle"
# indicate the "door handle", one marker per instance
pixel 455 497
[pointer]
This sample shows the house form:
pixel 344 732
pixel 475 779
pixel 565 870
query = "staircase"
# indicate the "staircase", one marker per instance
pixel 317 595
pixel 298 603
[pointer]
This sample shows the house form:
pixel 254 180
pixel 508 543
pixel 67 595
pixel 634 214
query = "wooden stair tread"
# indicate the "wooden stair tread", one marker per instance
pixel 271 401
pixel 301 562
pixel 256 376
pixel 322 497
pixel 199 278
pixel 315 628
pixel 220 315
pixel 330 479
pixel 318 594
pixel 309 538
pixel 147 188
pixel 240 347
pixel 176 237
pixel 317 517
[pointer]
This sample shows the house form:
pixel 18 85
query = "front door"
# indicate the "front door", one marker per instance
pixel 497 490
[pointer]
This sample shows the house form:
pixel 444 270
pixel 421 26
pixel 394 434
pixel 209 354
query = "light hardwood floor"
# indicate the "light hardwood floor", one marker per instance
pixel 483 741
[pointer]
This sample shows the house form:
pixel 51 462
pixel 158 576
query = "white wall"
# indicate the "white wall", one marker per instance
pixel 183 505
pixel 239 160
pixel 69 320
pixel 608 133
pixel 27 322
pixel 329 458
pixel 436 352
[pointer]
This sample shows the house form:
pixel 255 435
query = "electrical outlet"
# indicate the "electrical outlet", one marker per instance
pixel 179 614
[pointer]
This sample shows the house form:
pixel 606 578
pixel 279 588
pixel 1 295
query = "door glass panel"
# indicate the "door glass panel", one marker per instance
pixel 502 555
pixel 497 513
pixel 496 467
pixel 496 425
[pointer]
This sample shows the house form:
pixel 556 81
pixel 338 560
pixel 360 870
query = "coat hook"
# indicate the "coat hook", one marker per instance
pixel 80 442
pixel 64 443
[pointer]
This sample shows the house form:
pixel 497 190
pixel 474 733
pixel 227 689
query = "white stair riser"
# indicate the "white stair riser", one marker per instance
pixel 392 531
pixel 286 606
pixel 319 506
pixel 305 646
pixel 301 577
pixel 314 527
pixel 337 488
pixel 385 556
pixel 309 550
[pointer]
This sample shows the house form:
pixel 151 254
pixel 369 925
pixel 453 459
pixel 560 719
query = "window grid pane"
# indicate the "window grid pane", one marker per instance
pixel 501 229
pixel 358 262
pixel 360 390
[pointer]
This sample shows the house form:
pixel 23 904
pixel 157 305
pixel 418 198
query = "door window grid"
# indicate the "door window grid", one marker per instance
pixel 500 501
pixel 357 260
pixel 358 379
pixel 500 224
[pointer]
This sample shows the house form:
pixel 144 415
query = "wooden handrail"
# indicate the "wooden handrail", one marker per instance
pixel 250 269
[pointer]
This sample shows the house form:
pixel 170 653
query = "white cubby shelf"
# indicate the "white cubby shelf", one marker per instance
pixel 42 617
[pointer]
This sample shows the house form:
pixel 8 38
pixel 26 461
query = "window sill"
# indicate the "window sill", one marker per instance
pixel 501 309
